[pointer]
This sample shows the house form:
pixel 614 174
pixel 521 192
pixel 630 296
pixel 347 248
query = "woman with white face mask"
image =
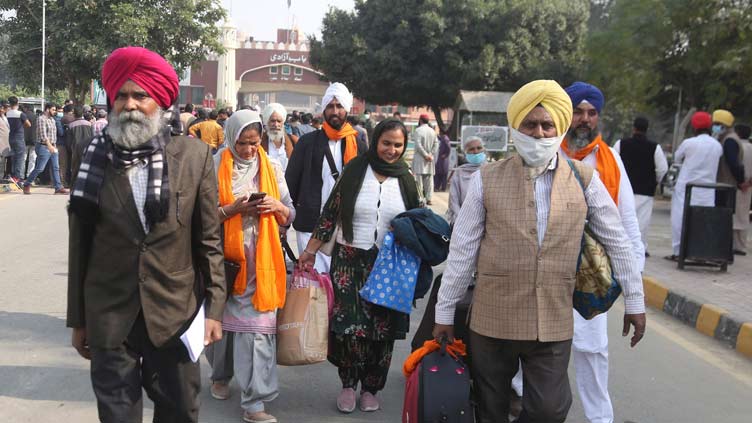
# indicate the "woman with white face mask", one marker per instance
pixel 475 154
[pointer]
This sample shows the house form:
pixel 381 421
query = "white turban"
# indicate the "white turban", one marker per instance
pixel 339 91
pixel 271 109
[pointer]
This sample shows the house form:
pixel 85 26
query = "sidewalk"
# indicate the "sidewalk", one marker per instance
pixel 715 303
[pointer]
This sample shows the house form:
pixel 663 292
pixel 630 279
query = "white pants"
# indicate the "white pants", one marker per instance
pixel 255 366
pixel 644 209
pixel 31 159
pixel 323 262
pixel 590 351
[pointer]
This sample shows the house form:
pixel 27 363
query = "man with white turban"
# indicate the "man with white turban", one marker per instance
pixel 275 141
pixel 521 225
pixel 317 161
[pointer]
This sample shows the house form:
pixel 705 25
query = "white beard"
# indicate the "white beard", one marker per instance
pixel 278 137
pixel 130 130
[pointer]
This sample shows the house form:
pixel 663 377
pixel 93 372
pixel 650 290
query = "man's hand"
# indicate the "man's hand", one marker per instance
pixel 78 340
pixel 429 157
pixel 212 331
pixel 638 321
pixel 440 331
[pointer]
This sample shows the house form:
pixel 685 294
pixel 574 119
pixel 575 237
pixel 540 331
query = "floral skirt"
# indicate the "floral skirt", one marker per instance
pixel 352 315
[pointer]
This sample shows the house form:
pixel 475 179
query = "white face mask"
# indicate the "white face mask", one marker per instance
pixel 535 151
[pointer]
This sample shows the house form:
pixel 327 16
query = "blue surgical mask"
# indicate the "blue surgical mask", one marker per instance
pixel 717 129
pixel 59 114
pixel 477 158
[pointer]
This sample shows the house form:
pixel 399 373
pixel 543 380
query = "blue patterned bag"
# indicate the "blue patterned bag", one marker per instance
pixel 391 283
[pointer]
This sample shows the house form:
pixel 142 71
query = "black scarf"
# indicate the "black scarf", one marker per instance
pixel 352 180
pixel 85 194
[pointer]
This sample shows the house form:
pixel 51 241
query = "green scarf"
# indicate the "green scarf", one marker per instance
pixel 352 180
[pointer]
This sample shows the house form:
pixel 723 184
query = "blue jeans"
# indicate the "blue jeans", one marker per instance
pixel 19 153
pixel 44 155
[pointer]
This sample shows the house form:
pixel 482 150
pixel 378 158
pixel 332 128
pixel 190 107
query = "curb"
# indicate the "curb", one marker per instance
pixel 705 318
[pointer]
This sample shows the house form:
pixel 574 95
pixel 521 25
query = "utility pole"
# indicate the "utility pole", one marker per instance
pixel 44 42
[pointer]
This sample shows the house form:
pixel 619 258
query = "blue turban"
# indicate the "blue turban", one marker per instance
pixel 582 91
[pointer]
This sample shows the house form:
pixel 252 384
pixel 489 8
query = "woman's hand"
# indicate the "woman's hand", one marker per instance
pixel 270 205
pixel 306 260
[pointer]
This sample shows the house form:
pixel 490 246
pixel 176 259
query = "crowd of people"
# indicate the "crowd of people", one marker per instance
pixel 163 227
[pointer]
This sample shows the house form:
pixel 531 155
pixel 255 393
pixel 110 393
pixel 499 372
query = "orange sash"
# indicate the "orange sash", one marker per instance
pixel 271 276
pixel 348 133
pixel 605 164
pixel 457 348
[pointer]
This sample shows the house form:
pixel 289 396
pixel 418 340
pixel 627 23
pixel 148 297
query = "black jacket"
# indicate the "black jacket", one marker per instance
pixel 303 176
pixel 427 235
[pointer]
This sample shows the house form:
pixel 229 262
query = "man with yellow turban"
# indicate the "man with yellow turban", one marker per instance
pixel 144 249
pixel 590 343
pixel 731 166
pixel 519 230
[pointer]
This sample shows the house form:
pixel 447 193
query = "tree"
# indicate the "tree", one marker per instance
pixel 422 52
pixel 81 33
pixel 648 51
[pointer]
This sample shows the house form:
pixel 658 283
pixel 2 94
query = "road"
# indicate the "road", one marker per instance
pixel 674 375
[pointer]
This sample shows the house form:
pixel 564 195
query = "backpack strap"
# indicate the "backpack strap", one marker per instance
pixel 583 180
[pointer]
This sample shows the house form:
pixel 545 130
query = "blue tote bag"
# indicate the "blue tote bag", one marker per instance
pixel 392 280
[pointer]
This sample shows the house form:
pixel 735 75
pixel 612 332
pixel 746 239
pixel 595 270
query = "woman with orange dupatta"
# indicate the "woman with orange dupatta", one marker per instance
pixel 251 240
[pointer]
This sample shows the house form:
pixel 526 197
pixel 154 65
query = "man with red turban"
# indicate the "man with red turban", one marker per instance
pixel 590 343
pixel 699 157
pixel 144 248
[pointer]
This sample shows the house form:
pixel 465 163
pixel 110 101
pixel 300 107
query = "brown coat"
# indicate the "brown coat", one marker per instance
pixel 116 270
pixel 524 292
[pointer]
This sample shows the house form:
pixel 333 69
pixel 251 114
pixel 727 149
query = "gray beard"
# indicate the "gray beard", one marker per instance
pixel 276 136
pixel 580 137
pixel 130 130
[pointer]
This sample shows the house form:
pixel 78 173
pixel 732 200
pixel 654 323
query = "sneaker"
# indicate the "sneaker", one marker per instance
pixel 62 191
pixel 220 391
pixel 27 189
pixel 369 402
pixel 18 182
pixel 258 417
pixel 346 400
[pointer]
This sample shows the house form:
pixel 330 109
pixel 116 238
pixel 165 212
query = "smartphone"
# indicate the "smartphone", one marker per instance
pixel 257 196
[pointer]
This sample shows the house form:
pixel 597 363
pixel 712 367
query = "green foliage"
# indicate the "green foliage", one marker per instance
pixel 81 33
pixel 422 52
pixel 646 51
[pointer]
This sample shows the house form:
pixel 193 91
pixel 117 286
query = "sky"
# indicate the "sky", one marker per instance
pixel 261 18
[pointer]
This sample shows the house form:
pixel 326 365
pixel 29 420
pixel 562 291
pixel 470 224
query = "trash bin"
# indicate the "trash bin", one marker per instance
pixel 706 237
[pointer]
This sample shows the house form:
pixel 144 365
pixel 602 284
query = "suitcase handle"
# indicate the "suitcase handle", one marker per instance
pixel 443 342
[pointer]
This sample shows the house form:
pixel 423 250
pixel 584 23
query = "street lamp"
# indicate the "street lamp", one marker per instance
pixel 44 44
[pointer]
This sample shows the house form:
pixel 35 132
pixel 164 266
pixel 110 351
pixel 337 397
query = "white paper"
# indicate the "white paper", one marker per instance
pixel 193 337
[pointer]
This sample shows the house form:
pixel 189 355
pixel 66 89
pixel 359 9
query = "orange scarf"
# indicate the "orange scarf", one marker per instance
pixel 605 163
pixel 271 276
pixel 454 349
pixel 348 133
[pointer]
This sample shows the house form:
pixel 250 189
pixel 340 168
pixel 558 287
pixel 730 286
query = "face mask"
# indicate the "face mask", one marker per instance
pixel 367 116
pixel 717 129
pixel 59 114
pixel 476 158
pixel 535 151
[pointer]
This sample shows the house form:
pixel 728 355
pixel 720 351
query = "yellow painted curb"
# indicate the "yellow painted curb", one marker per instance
pixel 708 319
pixel 744 340
pixel 655 293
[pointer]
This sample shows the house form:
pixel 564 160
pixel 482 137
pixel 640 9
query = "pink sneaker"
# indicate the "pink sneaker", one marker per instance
pixel 369 402
pixel 346 400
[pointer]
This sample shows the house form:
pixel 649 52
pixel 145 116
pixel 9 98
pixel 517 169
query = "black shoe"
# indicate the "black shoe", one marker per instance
pixel 647 254
pixel 672 257
pixel 740 253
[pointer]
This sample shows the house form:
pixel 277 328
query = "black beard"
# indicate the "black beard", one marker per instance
pixel 337 126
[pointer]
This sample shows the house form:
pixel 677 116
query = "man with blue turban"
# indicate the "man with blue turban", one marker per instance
pixel 590 343
pixel 519 230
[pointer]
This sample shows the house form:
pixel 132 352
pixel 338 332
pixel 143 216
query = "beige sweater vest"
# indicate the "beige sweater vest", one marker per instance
pixel 524 292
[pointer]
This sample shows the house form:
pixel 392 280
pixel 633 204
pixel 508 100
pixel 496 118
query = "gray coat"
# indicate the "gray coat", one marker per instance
pixel 426 143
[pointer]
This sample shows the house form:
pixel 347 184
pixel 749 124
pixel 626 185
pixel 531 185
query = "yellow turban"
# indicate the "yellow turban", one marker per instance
pixel 548 94
pixel 724 117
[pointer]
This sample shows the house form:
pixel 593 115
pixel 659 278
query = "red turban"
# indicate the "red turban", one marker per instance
pixel 702 120
pixel 144 67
